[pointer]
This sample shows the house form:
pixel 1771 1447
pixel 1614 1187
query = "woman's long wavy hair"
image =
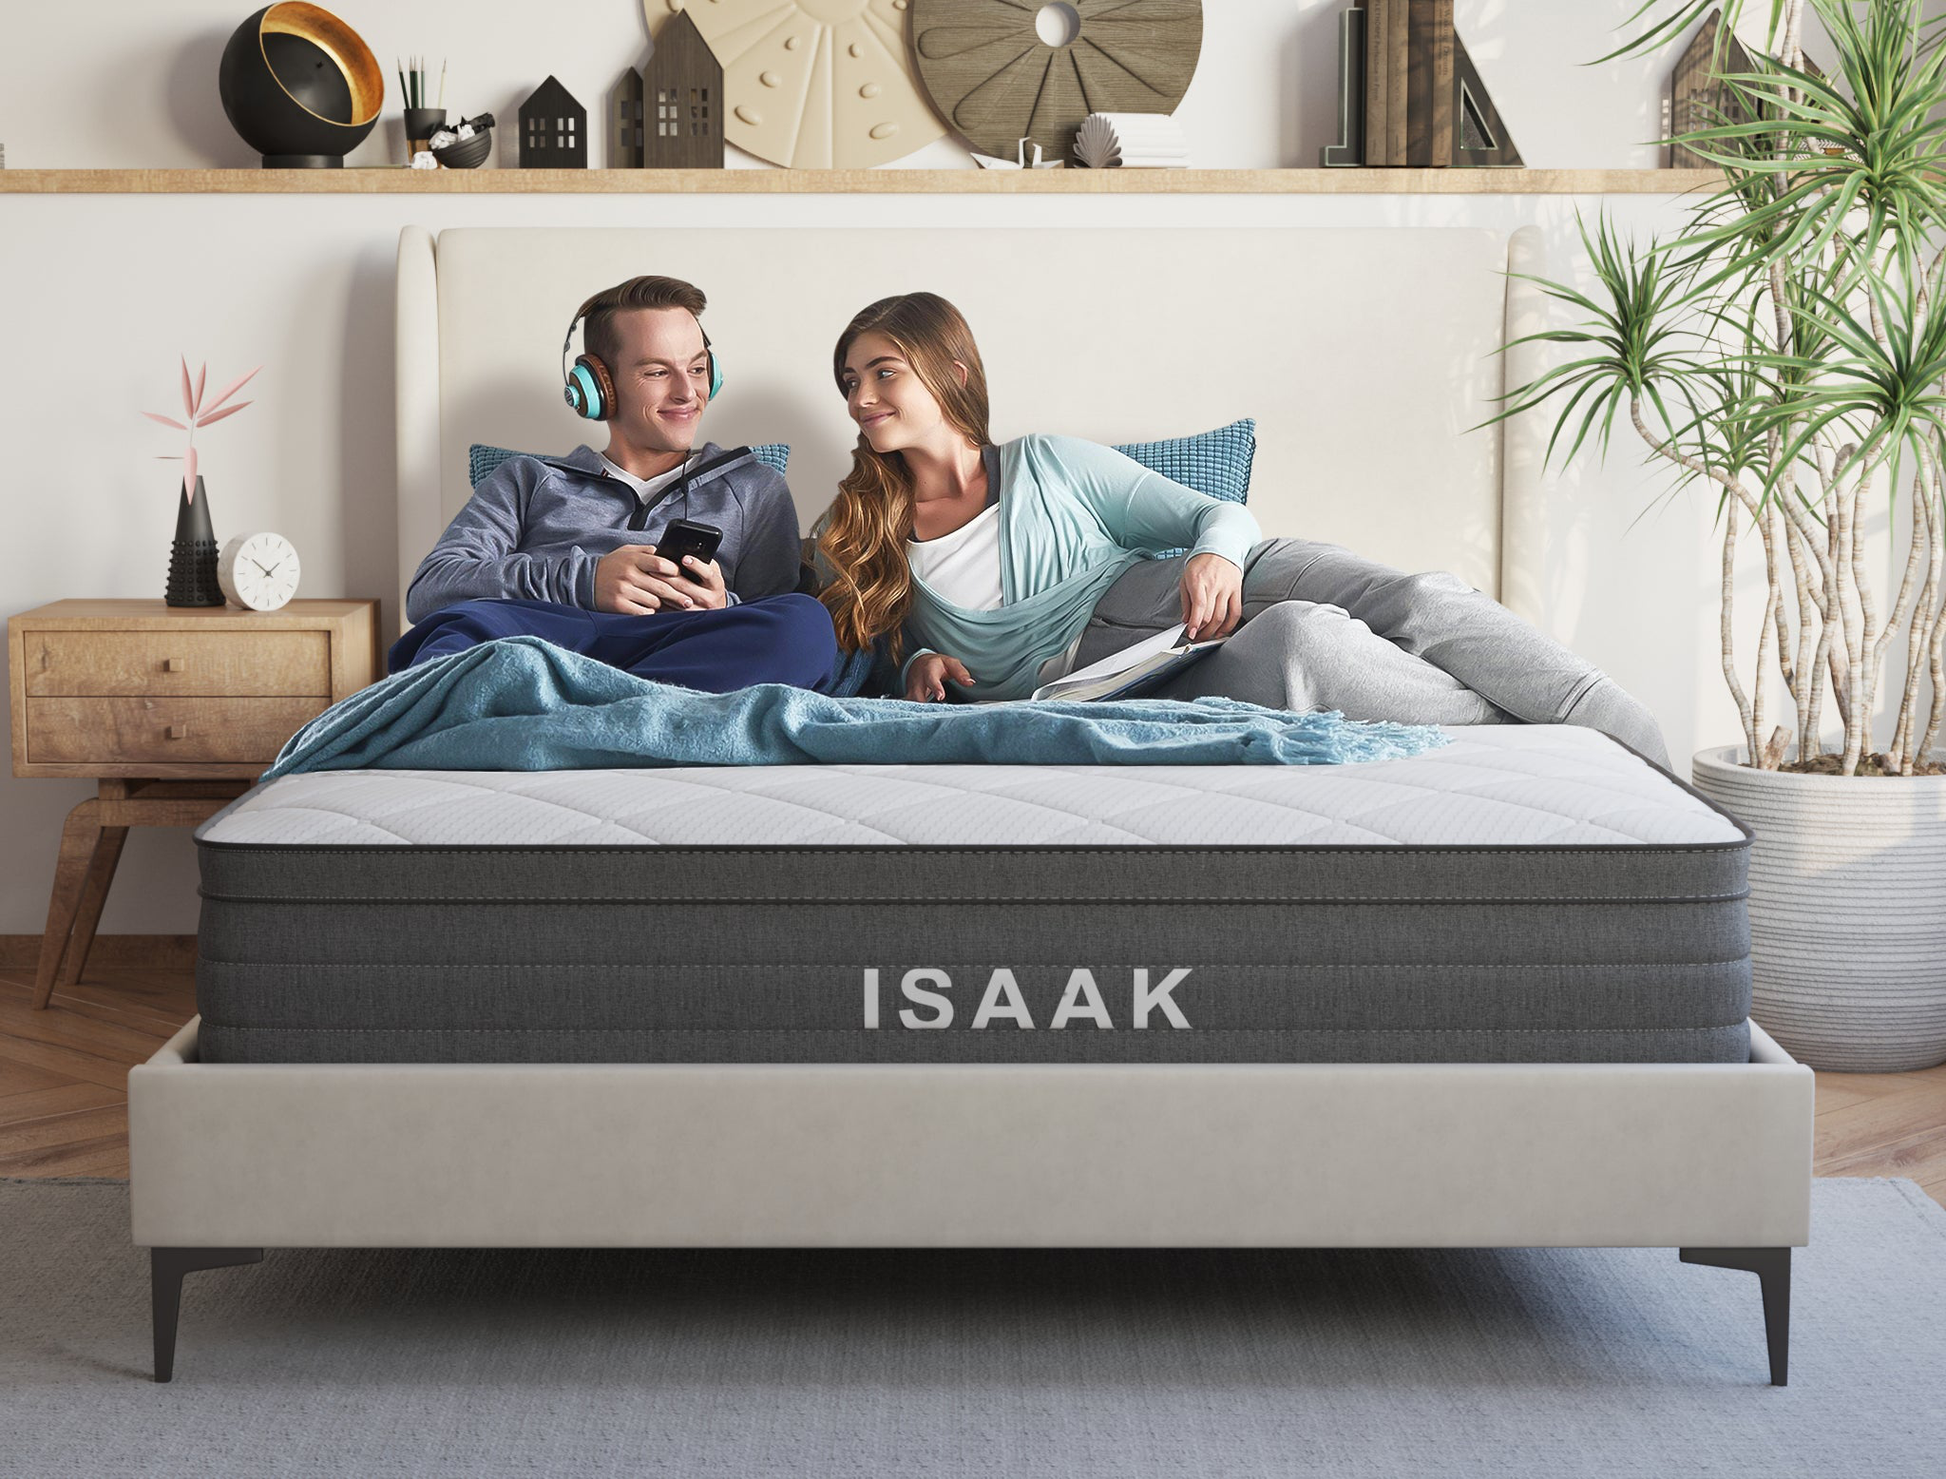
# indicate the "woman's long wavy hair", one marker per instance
pixel 863 537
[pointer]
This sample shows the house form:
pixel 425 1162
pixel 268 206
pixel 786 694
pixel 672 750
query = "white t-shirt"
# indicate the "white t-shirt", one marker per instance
pixel 964 566
pixel 645 488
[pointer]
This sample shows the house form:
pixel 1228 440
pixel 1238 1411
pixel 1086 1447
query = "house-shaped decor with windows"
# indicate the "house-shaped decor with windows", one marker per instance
pixel 625 128
pixel 553 129
pixel 683 95
pixel 1698 99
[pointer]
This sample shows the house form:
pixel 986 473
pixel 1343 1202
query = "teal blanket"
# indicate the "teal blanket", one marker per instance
pixel 522 704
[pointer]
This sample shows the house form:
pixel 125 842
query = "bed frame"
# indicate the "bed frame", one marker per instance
pixel 1364 355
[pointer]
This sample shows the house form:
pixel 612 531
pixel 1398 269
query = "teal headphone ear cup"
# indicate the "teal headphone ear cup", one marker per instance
pixel 583 393
pixel 590 391
pixel 715 374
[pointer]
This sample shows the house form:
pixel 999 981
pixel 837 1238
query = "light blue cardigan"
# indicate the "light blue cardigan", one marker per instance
pixel 1073 516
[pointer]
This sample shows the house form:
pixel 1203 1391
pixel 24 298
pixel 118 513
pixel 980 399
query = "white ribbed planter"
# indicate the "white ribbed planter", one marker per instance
pixel 1847 911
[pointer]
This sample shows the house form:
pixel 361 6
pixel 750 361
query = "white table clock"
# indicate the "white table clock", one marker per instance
pixel 258 571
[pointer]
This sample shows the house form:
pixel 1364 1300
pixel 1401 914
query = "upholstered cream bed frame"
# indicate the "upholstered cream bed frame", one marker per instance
pixel 1364 355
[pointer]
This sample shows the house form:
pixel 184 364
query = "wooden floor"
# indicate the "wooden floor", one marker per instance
pixel 63 1082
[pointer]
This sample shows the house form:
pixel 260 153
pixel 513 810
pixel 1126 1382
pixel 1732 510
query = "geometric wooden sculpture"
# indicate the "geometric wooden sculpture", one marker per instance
pixel 1350 148
pixel 814 84
pixel 991 76
pixel 1480 137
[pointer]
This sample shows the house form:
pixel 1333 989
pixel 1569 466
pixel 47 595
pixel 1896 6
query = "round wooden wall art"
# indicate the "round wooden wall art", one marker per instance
pixel 992 75
pixel 814 84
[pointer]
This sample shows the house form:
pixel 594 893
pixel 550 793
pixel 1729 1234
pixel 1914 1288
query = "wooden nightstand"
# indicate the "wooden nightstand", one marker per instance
pixel 174 711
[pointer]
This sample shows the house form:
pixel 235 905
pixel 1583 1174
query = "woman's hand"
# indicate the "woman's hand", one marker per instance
pixel 1212 597
pixel 927 679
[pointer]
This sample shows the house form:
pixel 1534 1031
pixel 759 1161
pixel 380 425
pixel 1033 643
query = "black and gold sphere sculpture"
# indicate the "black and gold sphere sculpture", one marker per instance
pixel 300 86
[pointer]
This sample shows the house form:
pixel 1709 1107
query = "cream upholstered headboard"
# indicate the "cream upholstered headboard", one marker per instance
pixel 1364 355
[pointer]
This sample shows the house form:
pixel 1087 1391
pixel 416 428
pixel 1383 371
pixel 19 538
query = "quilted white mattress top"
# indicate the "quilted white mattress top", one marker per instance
pixel 1494 785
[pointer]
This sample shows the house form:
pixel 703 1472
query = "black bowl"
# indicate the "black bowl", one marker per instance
pixel 466 153
pixel 300 86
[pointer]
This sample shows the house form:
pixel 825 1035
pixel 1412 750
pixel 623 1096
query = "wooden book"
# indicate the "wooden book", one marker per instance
pixel 1397 56
pixel 1429 84
pixel 1376 28
pixel 1378 35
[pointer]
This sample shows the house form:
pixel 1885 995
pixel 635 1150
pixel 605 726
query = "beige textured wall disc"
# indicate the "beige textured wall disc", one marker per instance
pixel 814 84
pixel 991 76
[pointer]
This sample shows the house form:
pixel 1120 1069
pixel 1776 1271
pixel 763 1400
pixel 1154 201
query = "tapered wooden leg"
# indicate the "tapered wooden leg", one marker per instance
pixel 1772 1266
pixel 70 873
pixel 94 893
pixel 166 1268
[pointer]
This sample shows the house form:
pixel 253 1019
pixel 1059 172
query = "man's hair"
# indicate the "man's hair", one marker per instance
pixel 598 332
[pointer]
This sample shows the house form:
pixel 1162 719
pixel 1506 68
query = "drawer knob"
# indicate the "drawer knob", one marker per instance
pixel 178 731
pixel 172 665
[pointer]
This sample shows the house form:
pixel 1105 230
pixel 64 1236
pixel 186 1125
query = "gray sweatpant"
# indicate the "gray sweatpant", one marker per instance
pixel 1326 629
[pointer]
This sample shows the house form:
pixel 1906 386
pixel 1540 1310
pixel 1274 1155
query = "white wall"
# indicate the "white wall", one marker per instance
pixel 99 293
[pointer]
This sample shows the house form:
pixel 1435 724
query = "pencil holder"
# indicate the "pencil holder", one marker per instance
pixel 420 125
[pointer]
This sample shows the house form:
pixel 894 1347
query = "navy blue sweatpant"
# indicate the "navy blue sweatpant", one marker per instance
pixel 781 639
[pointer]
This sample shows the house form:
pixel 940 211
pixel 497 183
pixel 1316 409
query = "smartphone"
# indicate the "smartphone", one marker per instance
pixel 686 537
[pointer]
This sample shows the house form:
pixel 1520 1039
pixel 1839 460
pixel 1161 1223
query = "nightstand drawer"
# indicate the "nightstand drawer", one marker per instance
pixel 217 662
pixel 180 731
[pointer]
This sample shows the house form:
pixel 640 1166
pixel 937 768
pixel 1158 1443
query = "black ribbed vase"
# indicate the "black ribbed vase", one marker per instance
pixel 192 558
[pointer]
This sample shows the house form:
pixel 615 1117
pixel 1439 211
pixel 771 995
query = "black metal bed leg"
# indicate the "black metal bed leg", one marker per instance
pixel 1772 1266
pixel 166 1268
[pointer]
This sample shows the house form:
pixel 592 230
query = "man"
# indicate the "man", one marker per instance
pixel 565 548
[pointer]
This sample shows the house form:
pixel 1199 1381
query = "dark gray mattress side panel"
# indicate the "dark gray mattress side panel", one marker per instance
pixel 1329 982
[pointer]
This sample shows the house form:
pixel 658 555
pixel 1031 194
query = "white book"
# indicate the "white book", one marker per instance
pixel 1133 671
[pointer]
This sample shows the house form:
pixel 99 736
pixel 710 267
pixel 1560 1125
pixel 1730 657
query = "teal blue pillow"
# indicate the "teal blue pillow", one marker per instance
pixel 482 459
pixel 1216 462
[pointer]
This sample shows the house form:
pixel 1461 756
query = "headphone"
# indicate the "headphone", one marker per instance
pixel 589 388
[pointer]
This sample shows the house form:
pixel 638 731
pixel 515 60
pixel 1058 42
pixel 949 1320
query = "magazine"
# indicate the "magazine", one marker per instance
pixel 1133 671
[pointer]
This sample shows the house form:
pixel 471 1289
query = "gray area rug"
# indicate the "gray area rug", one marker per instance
pixel 1373 1363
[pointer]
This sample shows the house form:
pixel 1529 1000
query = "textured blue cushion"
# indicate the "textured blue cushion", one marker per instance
pixel 1215 462
pixel 482 459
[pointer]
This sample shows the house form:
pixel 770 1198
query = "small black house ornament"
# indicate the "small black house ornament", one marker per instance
pixel 682 89
pixel 553 129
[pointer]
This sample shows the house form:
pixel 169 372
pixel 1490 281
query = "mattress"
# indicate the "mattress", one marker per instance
pixel 1525 894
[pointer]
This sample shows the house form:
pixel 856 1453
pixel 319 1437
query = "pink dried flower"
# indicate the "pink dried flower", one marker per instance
pixel 193 408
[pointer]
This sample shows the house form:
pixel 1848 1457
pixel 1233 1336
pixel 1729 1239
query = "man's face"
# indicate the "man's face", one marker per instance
pixel 661 377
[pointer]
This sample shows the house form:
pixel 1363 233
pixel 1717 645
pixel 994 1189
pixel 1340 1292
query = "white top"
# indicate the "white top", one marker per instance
pixel 962 567
pixel 645 488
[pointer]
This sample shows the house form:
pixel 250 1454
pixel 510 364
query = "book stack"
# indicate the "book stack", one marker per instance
pixel 1409 83
pixel 1131 141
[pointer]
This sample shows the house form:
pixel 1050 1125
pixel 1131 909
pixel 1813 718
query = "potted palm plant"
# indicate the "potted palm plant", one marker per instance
pixel 1786 352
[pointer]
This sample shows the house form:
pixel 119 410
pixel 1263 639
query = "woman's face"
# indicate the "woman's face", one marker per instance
pixel 885 396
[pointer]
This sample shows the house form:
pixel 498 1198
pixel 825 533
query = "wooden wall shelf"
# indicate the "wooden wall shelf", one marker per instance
pixel 399 181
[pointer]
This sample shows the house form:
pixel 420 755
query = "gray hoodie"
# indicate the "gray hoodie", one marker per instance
pixel 536 527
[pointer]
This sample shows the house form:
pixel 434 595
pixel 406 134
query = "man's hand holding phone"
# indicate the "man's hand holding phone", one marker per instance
pixel 634 580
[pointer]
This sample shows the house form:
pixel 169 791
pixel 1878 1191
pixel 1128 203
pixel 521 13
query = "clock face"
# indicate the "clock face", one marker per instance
pixel 258 571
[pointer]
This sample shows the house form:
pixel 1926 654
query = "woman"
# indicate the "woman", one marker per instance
pixel 1003 567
